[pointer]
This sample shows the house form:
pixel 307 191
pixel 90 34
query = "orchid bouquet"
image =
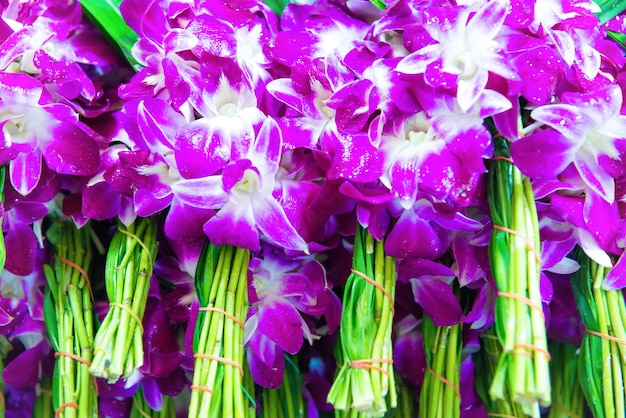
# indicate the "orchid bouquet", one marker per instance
pixel 312 208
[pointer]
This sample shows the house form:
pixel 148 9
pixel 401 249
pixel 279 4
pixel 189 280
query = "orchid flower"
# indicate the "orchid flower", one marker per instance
pixel 243 193
pixel 35 130
pixel 582 130
pixel 465 47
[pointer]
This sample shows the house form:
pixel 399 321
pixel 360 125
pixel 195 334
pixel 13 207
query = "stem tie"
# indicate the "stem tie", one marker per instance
pixel 3 401
pixel 202 389
pixel 607 336
pixel 532 348
pixel 223 312
pixel 61 407
pixel 377 286
pixel 221 360
pixel 502 158
pixel 82 273
pixel 525 300
pixel 139 241
pixel 444 381
pixel 365 364
pixel 130 312
pixel 517 234
pixel 73 357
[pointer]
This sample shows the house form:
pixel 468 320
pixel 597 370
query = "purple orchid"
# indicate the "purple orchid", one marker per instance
pixel 243 193
pixel 582 130
pixel 282 290
pixel 465 50
pixel 35 130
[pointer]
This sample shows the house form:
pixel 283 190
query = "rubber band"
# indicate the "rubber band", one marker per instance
pixel 82 273
pixel 607 336
pixel 378 286
pixel 221 360
pixel 502 158
pixel 517 234
pixel 73 357
pixel 534 348
pixel 444 381
pixel 61 407
pixel 130 312
pixel 223 312
pixel 365 364
pixel 139 409
pixel 569 413
pixel 3 401
pixel 202 389
pixel 139 241
pixel 525 300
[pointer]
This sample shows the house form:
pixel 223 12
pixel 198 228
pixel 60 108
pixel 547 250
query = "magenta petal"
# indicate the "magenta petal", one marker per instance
pixel 282 323
pixel 25 171
pixel 413 237
pixel 21 246
pixel 616 278
pixel 23 371
pixel 267 376
pixel 544 153
pixel 594 174
pixel 233 225
pixel 273 223
pixel 438 301
pixel 72 151
pixel 203 193
pixel 202 149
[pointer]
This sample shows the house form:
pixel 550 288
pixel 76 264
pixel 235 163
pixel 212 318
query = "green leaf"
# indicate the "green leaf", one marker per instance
pixel 277 6
pixel 105 14
pixel 379 3
pixel 610 9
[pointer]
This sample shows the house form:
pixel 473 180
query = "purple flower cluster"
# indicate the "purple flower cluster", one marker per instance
pixel 278 134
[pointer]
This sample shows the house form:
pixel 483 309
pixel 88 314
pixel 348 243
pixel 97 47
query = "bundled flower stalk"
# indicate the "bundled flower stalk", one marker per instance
pixel 70 320
pixel 218 388
pixel 440 396
pixel 515 263
pixel 365 383
pixel 487 362
pixel 567 395
pixel 602 357
pixel 141 409
pixel 286 401
pixel 406 406
pixel 130 259
pixel 5 347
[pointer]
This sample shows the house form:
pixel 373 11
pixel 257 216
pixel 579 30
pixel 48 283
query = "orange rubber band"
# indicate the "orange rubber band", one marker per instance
pixel 73 357
pixel 221 360
pixel 444 381
pixel 502 158
pixel 61 407
pixel 365 364
pixel 82 273
pixel 378 286
pixel 517 234
pixel 202 389
pixel 130 312
pixel 139 241
pixel 607 336
pixel 525 300
pixel 534 348
pixel 223 312
pixel 3 401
